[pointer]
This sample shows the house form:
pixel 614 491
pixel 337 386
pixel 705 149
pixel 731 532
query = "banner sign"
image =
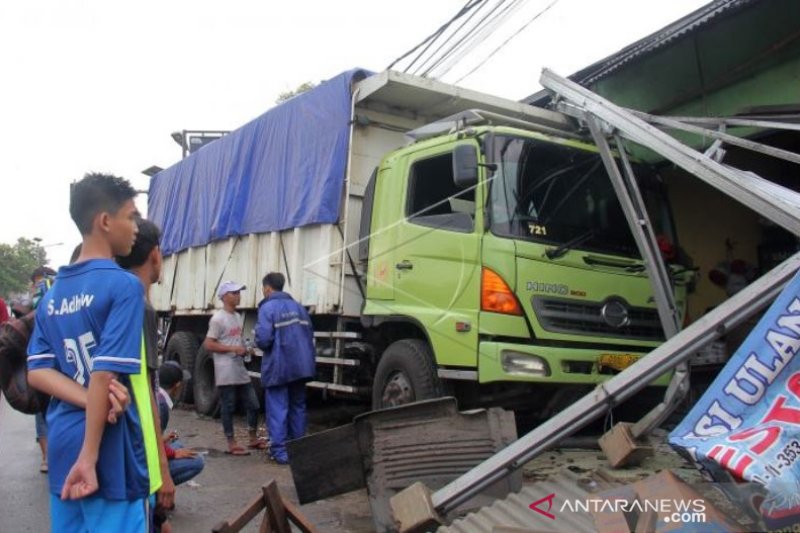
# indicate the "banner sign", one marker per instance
pixel 746 427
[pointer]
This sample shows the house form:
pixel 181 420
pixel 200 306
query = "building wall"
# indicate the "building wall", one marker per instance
pixel 705 219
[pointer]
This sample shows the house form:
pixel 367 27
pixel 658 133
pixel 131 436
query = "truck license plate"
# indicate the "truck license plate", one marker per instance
pixel 617 361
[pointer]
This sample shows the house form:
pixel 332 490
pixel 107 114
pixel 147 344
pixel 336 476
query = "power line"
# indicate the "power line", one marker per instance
pixel 432 37
pixel 474 12
pixel 539 14
pixel 453 34
pixel 474 38
pixel 468 37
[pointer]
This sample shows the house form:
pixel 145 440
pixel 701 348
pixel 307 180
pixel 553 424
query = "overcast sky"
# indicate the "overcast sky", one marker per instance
pixel 100 85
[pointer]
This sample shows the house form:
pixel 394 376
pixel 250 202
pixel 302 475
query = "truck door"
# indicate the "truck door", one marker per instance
pixel 437 256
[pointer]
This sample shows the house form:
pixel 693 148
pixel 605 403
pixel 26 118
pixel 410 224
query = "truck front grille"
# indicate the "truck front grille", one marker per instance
pixel 577 317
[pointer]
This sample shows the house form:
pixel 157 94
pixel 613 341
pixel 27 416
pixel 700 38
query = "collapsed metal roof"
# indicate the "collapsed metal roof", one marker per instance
pixel 515 510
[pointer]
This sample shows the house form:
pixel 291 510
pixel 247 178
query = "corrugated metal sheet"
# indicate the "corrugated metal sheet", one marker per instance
pixel 434 443
pixel 692 22
pixel 515 511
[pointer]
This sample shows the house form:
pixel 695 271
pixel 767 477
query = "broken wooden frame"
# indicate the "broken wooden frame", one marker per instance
pixel 278 513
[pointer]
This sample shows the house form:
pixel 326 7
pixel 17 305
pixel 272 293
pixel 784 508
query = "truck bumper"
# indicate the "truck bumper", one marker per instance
pixel 500 361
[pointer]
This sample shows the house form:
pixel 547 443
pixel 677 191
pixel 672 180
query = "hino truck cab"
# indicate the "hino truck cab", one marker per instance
pixel 500 266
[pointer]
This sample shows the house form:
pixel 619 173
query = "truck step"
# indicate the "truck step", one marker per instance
pixel 337 335
pixel 338 388
pixel 337 361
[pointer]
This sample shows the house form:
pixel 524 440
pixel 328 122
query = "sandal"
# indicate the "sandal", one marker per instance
pixel 43 468
pixel 237 450
pixel 260 444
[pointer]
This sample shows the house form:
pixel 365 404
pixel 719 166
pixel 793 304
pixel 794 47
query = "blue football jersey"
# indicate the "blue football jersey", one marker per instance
pixel 90 320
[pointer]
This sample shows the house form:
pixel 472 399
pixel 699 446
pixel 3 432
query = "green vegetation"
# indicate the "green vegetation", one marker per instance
pixel 17 261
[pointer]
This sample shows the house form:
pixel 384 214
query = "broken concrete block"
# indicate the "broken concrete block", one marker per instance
pixel 509 529
pixel 613 518
pixel 679 507
pixel 659 503
pixel 647 522
pixel 412 509
pixel 621 448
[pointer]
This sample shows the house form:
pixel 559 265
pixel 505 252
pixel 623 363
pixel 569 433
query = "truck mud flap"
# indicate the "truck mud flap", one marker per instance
pixel 389 449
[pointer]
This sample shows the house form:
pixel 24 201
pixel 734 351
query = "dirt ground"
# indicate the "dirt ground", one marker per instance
pixel 228 483
pixel 582 461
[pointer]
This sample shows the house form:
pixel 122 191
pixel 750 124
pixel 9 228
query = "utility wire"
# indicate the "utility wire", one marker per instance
pixel 474 38
pixel 467 7
pixel 449 38
pixel 539 14
pixel 441 32
pixel 478 38
pixel 468 37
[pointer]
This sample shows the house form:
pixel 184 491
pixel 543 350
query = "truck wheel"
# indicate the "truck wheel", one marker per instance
pixel 406 373
pixel 206 395
pixel 182 347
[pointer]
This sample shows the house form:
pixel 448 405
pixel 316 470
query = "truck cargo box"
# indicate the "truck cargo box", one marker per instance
pixel 284 191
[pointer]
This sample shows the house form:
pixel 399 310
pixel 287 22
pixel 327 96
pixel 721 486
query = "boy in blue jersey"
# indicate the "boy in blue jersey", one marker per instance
pixel 88 331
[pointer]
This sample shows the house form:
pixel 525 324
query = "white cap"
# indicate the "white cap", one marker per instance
pixel 229 286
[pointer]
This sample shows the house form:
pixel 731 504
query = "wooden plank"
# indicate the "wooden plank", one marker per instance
pixel 275 509
pixel 266 527
pixel 298 518
pixel 250 512
pixel 222 527
pixel 329 464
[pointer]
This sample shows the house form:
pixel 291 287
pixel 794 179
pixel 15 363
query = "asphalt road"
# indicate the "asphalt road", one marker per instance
pixel 221 491
pixel 24 498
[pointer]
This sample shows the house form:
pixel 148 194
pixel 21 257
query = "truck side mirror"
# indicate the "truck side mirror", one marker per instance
pixel 465 166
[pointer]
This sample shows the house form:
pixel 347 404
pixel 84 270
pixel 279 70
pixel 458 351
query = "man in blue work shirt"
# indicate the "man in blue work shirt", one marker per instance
pixel 285 334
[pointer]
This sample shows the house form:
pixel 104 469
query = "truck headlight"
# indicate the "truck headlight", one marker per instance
pixel 523 363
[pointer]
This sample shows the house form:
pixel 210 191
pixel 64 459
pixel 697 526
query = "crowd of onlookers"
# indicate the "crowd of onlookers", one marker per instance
pixel 111 463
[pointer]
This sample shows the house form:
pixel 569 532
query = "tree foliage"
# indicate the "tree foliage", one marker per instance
pixel 17 262
pixel 303 87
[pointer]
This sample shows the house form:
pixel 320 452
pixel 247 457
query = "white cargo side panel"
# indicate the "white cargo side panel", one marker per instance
pixel 301 254
pixel 189 283
pixel 161 292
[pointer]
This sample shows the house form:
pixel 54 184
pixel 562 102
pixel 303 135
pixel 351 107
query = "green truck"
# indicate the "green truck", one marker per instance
pixel 476 248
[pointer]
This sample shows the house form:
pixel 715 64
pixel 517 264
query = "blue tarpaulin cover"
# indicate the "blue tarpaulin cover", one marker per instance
pixel 284 169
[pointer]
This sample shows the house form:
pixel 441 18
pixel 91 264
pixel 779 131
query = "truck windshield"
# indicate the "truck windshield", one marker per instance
pixel 562 196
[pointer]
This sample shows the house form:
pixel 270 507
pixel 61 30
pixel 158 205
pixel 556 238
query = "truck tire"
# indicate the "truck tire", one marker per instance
pixel 182 347
pixel 406 373
pixel 206 395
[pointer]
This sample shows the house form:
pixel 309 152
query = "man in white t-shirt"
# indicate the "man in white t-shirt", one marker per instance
pixel 224 340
